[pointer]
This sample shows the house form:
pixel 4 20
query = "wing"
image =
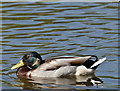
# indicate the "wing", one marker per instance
pixel 55 63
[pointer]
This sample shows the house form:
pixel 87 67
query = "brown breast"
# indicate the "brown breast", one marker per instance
pixel 22 71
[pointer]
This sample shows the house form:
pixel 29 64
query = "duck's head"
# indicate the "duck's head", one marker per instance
pixel 32 60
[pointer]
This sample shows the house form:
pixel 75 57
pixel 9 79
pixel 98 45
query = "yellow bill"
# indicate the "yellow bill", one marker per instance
pixel 18 65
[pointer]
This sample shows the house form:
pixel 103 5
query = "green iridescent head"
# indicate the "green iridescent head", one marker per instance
pixel 32 60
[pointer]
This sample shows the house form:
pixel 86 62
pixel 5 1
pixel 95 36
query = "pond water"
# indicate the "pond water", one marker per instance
pixel 60 29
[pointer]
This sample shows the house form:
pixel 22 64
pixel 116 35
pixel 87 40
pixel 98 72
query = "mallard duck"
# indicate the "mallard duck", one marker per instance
pixel 32 65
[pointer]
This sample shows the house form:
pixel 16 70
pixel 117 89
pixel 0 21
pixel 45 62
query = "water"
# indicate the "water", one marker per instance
pixel 60 29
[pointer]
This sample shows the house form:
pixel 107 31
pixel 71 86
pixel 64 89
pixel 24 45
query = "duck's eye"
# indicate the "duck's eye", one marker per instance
pixel 28 56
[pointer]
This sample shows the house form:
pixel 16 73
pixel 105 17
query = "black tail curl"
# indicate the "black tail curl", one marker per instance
pixel 88 63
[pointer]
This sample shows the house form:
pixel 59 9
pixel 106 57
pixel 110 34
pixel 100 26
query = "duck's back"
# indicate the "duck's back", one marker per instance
pixel 57 62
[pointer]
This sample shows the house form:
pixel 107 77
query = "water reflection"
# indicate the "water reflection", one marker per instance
pixel 43 82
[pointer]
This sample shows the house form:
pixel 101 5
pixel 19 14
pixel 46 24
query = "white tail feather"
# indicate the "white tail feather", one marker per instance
pixel 98 62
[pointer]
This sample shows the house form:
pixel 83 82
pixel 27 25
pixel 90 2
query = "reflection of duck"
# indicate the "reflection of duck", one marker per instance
pixel 67 80
pixel 60 82
pixel 89 80
pixel 33 65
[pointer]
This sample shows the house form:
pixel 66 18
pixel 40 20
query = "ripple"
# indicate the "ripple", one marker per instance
pixel 58 29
